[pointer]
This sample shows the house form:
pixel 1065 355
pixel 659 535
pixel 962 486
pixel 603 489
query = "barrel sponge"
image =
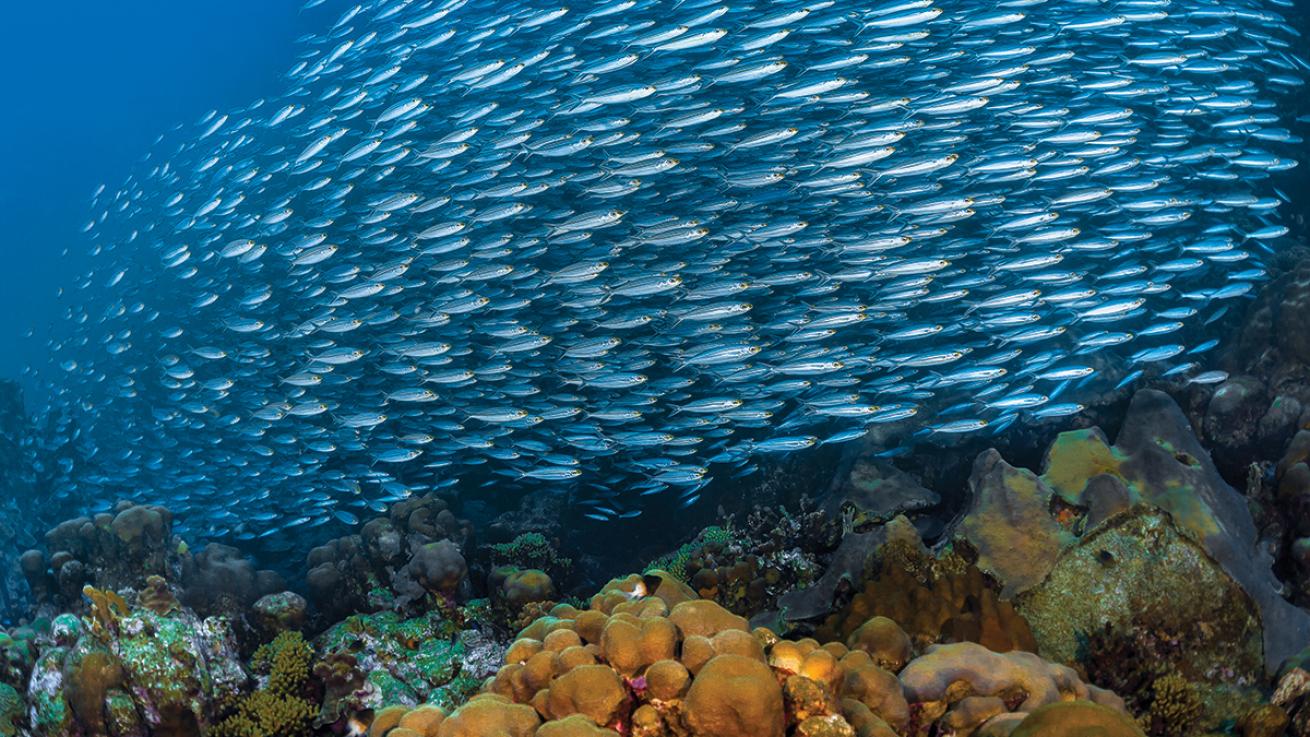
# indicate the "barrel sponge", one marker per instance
pixel 1076 719
pixel 735 696
pixel 489 715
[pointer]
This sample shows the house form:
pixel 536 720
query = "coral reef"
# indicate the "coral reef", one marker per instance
pixel 869 493
pixel 518 593
pixel 135 548
pixel 220 580
pixel 746 566
pixel 372 660
pixel 662 662
pixel 1129 568
pixel 121 672
pixel 749 566
pixel 531 551
pixel 935 598
pixel 395 560
pixel 1159 604
pixel 1157 462
pixel 279 708
pixel 108 551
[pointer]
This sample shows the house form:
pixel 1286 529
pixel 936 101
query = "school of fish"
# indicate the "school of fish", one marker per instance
pixel 617 248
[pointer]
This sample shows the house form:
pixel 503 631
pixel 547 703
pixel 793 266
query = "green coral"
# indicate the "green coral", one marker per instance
pixel 529 550
pixel 676 562
pixel 265 714
pixel 402 661
pixel 160 659
pixel 11 710
pixel 18 653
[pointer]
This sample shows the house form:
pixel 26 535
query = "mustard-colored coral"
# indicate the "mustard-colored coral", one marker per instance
pixel 934 600
pixel 1076 719
pixel 1176 708
pixel 107 607
pixel 264 714
pixel 158 597
pixel 287 659
pixel 277 710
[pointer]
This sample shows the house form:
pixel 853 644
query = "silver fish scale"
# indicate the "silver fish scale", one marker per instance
pixel 590 220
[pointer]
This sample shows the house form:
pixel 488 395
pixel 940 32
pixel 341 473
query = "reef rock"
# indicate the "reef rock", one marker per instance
pixel 109 551
pixel 119 672
pixel 393 561
pixel 1157 462
pixel 371 660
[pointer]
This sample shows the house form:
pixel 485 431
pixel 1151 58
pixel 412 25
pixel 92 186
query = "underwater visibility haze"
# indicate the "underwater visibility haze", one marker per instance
pixel 464 285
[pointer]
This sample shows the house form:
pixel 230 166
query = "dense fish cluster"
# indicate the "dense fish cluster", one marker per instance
pixel 620 247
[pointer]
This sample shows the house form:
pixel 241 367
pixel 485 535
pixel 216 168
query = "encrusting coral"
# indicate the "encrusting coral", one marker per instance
pixel 132 671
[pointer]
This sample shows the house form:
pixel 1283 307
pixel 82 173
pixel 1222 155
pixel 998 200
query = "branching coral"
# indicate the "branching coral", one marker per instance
pixel 1176 708
pixel 107 608
pixel 279 709
pixel 264 714
pixel 286 660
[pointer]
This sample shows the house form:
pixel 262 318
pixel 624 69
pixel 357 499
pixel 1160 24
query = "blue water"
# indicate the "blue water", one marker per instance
pixel 91 113
pixel 88 87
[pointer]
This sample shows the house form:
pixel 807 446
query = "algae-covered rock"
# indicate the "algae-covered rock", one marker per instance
pixel 1009 524
pixel 12 710
pixel 1140 566
pixel 404 661
pixel 1019 522
pixel 145 673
